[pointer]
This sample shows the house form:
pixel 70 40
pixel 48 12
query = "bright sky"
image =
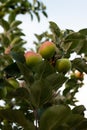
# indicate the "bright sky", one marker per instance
pixel 68 14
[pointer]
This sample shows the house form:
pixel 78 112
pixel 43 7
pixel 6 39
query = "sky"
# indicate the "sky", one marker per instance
pixel 68 14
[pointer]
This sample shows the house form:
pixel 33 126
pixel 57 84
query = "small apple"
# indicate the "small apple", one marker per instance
pixel 63 65
pixel 32 58
pixel 79 75
pixel 47 49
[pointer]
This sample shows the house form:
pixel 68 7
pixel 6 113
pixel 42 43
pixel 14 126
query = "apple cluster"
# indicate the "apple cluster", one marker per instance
pixel 46 51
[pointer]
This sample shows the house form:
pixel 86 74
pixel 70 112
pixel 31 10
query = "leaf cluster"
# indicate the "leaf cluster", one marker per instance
pixel 33 8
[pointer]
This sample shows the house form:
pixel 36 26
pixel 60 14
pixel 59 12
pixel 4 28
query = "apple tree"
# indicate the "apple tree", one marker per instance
pixel 38 88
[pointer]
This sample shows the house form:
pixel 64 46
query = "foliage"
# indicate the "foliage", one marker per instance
pixel 17 7
pixel 39 98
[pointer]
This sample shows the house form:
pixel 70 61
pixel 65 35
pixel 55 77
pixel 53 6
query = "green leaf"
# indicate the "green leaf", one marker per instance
pixel 12 16
pixel 44 13
pixel 74 36
pixel 37 15
pixel 79 110
pixel 18 33
pixel 16 116
pixel 83 31
pixel 19 48
pixel 12 70
pixel 18 56
pixel 74 42
pixel 54 28
pixel 54 117
pixel 39 37
pixel 4 40
pixel 27 73
pixel 82 125
pixel 14 24
pixel 4 83
pixel 75 46
pixel 1 50
pixel 20 93
pixel 44 69
pixel 3 93
pixel 2 14
pixel 56 80
pixel 62 127
pixel 4 24
pixel 16 40
pixel 83 49
pixel 31 15
pixel 80 64
pixel 4 87
pixel 71 84
pixel 40 92
pixel 74 120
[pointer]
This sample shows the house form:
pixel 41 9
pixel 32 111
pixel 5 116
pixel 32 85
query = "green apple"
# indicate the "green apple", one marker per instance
pixel 32 58
pixel 63 65
pixel 47 49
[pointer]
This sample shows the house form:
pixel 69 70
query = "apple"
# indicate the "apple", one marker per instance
pixel 78 74
pixel 32 58
pixel 47 49
pixel 63 65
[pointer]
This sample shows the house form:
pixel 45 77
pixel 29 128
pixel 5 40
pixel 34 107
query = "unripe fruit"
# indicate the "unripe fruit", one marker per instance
pixel 32 58
pixel 63 65
pixel 47 49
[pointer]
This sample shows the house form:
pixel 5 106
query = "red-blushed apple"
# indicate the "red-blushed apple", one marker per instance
pixel 47 49
pixel 63 65
pixel 32 58
pixel 78 74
